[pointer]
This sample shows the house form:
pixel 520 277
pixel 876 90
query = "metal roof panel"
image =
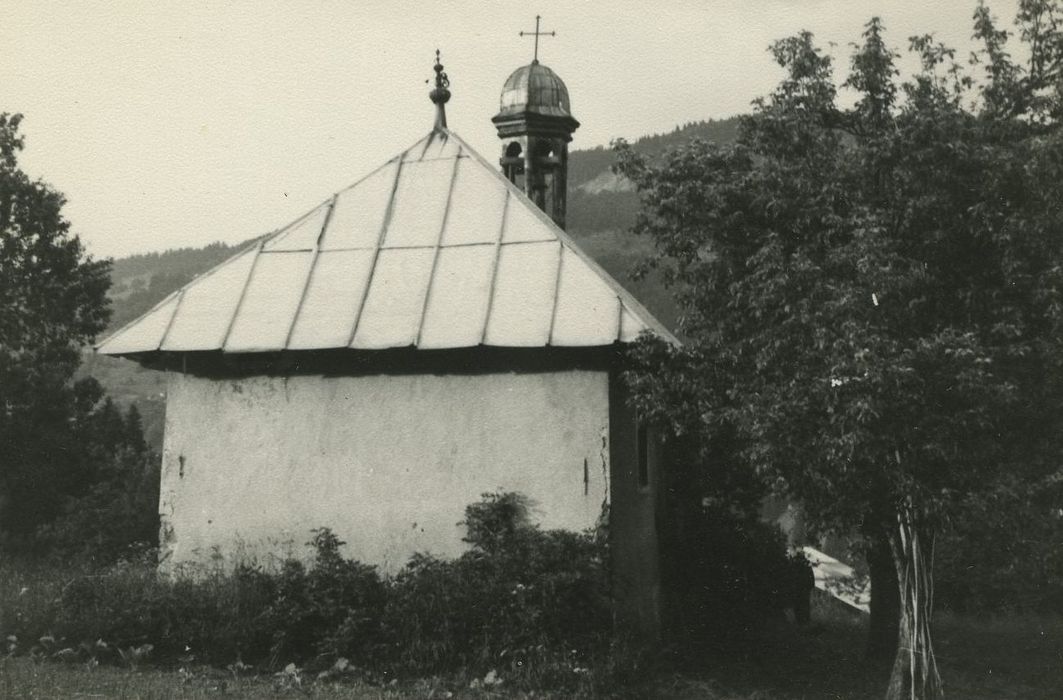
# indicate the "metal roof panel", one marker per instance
pixel 207 306
pixel 330 307
pixel 457 298
pixel 523 226
pixel 588 311
pixel 302 234
pixel 146 333
pixel 271 297
pixel 358 214
pixel 420 204
pixel 477 204
pixel 392 312
pixel 523 302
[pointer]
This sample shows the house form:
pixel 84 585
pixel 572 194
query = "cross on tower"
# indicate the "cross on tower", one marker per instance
pixel 537 34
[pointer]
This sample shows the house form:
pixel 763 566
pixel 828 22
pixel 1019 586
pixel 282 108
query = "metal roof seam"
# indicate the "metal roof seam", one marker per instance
pixel 310 272
pixel 557 292
pixel 439 244
pixel 472 244
pixel 428 143
pixel 371 173
pixel 243 294
pixel 279 234
pixel 432 160
pixel 494 269
pixel 379 242
pixel 169 324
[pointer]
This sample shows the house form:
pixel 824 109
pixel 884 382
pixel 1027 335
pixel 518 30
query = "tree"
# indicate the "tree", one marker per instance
pixel 52 303
pixel 115 504
pixel 873 295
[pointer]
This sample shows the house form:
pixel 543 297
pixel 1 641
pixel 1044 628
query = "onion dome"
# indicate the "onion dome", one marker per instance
pixel 537 89
pixel 535 100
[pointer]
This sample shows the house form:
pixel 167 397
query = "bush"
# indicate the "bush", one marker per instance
pixel 730 575
pixel 522 602
pixel 1002 554
pixel 521 598
pixel 331 610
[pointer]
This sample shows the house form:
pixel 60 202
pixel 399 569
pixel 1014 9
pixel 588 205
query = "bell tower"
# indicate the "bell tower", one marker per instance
pixel 535 124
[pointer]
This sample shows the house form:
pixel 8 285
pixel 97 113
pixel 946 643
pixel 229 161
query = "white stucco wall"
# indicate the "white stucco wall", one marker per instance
pixel 389 462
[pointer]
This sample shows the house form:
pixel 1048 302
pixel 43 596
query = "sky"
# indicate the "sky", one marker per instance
pixel 178 124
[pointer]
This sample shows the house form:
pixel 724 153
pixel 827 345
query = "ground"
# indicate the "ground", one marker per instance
pixel 982 658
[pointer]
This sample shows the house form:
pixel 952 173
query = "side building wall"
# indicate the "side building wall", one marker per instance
pixel 251 465
pixel 634 511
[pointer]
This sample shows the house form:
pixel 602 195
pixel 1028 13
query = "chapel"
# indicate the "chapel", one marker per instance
pixel 424 336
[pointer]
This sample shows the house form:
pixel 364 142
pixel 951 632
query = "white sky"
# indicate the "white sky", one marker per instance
pixel 181 123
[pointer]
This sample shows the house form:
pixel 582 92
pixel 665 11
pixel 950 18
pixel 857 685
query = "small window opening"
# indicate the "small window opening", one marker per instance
pixel 513 164
pixel 642 447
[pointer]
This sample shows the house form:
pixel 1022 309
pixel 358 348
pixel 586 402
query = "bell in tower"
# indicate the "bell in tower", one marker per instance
pixel 535 124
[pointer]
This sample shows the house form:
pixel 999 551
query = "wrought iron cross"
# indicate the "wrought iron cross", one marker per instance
pixel 537 34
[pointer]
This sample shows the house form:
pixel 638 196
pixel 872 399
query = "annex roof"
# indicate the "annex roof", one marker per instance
pixel 435 249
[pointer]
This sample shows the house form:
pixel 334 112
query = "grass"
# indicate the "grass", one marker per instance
pixel 22 678
pixel 1004 657
pixel 994 658
pixel 981 658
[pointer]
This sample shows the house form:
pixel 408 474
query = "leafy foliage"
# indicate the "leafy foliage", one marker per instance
pixel 1001 553
pixel 873 295
pixel 114 509
pixel 52 302
pixel 76 477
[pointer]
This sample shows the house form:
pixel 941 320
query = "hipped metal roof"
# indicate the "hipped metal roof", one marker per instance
pixel 435 249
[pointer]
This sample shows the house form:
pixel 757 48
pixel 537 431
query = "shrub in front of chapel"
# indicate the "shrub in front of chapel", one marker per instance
pixel 531 605
pixel 331 609
pixel 528 603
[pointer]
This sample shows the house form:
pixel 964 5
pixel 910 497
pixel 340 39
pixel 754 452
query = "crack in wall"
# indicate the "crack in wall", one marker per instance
pixel 603 455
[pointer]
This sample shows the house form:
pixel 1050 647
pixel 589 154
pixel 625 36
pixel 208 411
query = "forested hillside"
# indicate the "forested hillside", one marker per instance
pixel 601 210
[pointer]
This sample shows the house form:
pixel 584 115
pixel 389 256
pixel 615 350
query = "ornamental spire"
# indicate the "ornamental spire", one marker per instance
pixel 440 94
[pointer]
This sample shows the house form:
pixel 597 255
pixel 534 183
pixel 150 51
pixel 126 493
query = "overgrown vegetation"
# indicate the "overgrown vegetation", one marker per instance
pixel 529 605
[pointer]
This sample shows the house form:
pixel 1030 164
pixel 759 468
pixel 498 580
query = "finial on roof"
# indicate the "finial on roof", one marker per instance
pixel 537 34
pixel 440 94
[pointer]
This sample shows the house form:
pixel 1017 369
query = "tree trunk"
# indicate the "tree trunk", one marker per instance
pixel 883 626
pixel 915 673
